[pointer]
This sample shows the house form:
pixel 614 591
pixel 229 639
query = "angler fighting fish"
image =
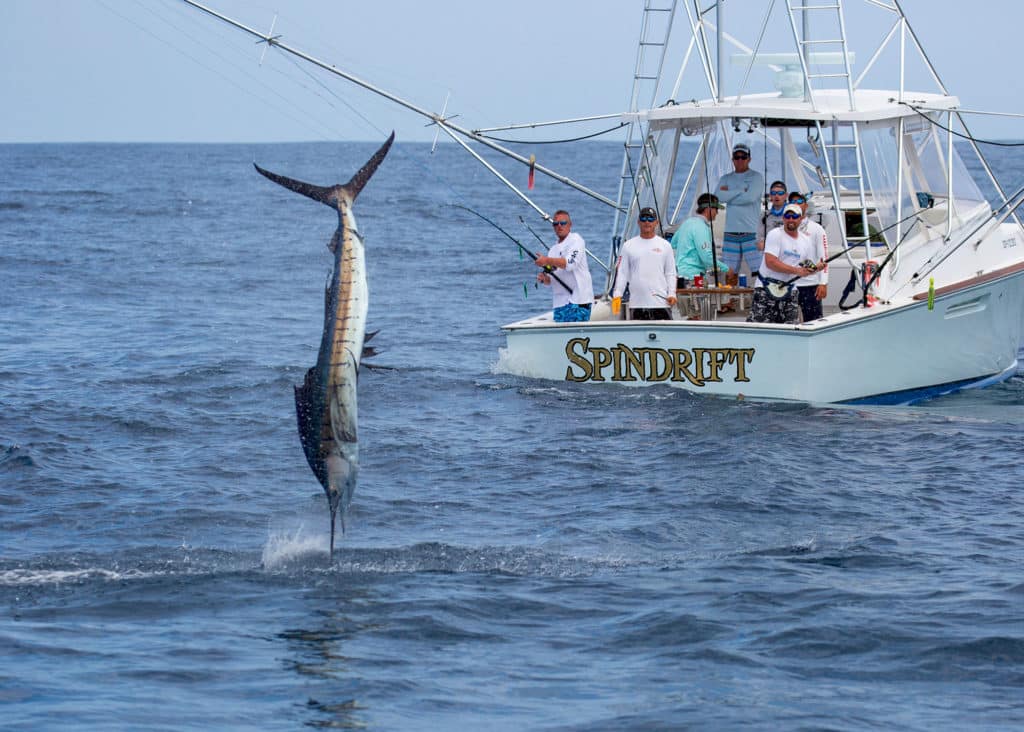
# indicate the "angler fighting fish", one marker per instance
pixel 325 404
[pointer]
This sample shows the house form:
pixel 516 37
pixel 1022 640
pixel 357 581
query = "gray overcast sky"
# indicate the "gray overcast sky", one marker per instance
pixel 155 70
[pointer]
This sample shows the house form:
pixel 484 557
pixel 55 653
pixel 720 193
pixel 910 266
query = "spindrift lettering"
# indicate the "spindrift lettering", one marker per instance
pixel 698 366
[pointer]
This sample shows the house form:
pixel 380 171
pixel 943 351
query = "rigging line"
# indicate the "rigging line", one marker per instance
pixel 212 70
pixel 646 165
pixel 866 286
pixel 332 93
pixel 556 142
pixel 707 183
pixel 399 150
pixel 972 138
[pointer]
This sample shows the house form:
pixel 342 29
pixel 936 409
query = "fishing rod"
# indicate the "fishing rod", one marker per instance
pixel 850 248
pixel 537 237
pixel 547 269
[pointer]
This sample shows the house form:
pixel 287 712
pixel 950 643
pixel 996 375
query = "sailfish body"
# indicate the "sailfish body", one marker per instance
pixel 325 403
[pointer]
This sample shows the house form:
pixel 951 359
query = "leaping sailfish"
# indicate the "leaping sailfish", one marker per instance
pixel 325 404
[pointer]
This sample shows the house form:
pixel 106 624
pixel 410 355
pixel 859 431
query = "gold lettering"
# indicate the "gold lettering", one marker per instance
pixel 717 358
pixel 578 360
pixel 631 361
pixel 659 363
pixel 738 355
pixel 602 357
pixel 681 362
pixel 698 365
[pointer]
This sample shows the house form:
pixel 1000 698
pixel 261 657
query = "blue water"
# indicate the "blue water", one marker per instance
pixel 520 554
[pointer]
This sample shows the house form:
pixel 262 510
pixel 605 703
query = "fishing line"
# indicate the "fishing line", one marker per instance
pixel 549 270
pixel 555 142
pixel 289 110
pixel 213 70
pixel 707 184
pixel 961 135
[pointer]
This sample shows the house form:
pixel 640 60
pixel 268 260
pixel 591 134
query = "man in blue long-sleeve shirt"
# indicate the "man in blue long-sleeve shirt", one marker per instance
pixel 741 191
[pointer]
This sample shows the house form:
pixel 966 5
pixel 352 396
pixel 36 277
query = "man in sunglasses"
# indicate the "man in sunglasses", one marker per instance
pixel 812 290
pixel 741 192
pixel 772 218
pixel 786 252
pixel 569 257
pixel 647 266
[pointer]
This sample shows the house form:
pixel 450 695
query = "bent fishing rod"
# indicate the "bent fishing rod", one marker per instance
pixel 547 269
pixel 850 248
pixel 537 237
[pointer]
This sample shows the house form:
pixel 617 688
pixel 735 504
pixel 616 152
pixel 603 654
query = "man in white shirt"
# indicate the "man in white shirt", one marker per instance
pixel 812 290
pixel 574 294
pixel 786 250
pixel 647 265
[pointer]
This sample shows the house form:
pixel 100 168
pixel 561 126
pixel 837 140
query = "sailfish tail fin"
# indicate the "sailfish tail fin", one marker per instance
pixel 323 194
pixel 360 179
pixel 327 195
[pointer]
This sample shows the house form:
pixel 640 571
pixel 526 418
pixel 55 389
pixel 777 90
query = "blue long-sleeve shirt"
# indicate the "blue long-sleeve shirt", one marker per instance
pixel 741 193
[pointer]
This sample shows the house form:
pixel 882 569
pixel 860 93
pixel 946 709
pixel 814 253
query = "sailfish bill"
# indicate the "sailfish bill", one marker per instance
pixel 325 404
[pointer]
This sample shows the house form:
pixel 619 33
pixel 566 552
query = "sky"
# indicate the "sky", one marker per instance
pixel 158 71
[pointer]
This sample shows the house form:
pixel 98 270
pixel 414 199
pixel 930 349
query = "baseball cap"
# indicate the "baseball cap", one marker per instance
pixel 708 200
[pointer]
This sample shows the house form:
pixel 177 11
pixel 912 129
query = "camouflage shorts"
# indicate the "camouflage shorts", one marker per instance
pixel 766 309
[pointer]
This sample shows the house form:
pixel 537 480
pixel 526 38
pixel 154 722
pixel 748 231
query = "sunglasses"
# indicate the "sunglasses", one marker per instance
pixel 798 200
pixel 647 219
pixel 740 156
pixel 790 216
pixel 559 223
pixel 777 193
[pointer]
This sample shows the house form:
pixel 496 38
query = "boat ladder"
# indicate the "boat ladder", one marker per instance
pixel 655 30
pixel 805 42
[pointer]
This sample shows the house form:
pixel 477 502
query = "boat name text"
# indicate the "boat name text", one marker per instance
pixel 698 366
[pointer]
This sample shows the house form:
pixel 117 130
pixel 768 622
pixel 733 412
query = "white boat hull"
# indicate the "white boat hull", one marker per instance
pixel 890 353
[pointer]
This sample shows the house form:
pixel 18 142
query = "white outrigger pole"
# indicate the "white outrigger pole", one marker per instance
pixel 440 120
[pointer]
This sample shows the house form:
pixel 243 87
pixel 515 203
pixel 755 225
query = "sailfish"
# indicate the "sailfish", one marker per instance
pixel 325 403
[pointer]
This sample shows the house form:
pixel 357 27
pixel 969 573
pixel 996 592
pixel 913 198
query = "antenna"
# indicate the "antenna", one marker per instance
pixel 269 39
pixel 444 108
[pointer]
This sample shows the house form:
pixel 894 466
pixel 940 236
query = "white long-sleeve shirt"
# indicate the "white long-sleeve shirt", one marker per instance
pixel 648 266
pixel 576 273
pixel 820 241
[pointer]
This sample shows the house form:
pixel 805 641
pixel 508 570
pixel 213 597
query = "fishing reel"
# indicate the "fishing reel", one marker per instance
pixel 808 264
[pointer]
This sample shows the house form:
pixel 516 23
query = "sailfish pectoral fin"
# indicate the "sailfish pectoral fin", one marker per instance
pixel 306 414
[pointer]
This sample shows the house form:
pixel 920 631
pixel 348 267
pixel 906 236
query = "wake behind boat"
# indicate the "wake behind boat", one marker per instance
pixel 936 270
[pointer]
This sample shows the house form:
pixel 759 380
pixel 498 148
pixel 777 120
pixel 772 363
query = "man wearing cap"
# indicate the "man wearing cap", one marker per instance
pixel 812 290
pixel 772 218
pixel 647 266
pixel 693 244
pixel 786 250
pixel 568 259
pixel 741 192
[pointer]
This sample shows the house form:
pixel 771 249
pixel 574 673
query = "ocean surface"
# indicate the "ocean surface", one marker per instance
pixel 519 554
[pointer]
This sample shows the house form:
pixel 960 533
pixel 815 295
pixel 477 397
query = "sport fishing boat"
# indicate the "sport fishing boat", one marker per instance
pixel 935 272
pixel 938 271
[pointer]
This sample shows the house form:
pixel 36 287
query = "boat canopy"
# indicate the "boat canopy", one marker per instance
pixel 870 105
pixel 878 171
